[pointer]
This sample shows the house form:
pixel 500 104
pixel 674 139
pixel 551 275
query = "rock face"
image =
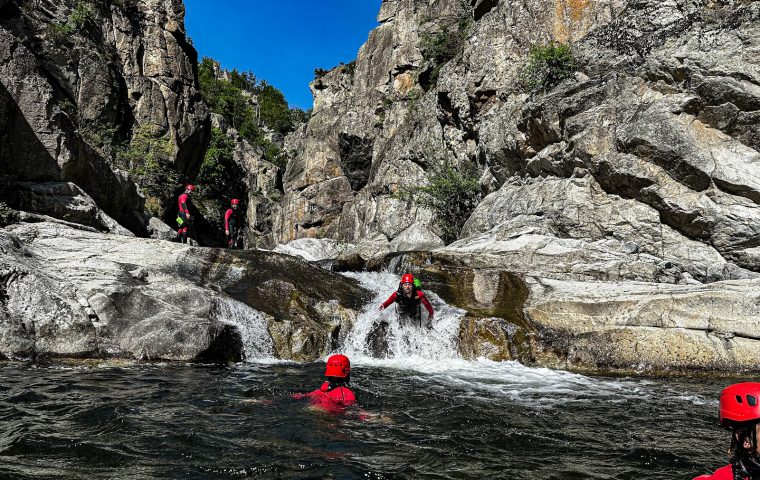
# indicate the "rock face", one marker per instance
pixel 627 189
pixel 77 78
pixel 73 292
pixel 263 182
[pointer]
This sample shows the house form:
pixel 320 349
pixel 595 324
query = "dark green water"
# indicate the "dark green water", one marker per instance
pixel 477 420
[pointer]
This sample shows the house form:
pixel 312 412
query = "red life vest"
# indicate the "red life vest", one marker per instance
pixel 724 473
pixel 331 401
pixel 184 199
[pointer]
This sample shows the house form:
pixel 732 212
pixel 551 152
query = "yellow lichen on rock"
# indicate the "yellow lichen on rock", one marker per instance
pixel 572 19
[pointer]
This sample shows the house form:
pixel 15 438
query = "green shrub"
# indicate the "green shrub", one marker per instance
pixel 219 169
pixel 149 160
pixel 452 194
pixel 438 48
pixel 58 32
pixel 547 66
pixel 82 14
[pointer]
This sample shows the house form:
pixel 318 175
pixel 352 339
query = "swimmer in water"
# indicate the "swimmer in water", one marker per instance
pixel 739 412
pixel 334 395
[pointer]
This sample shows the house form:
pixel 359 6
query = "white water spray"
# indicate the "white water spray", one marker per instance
pixel 408 342
pixel 257 343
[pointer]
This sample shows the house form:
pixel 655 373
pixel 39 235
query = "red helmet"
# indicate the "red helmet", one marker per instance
pixel 338 366
pixel 407 278
pixel 235 201
pixel 739 403
pixel 190 187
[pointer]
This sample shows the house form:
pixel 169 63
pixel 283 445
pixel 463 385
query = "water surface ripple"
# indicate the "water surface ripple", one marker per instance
pixel 459 420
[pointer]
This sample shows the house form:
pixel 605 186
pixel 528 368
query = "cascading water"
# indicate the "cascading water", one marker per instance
pixel 257 343
pixel 406 343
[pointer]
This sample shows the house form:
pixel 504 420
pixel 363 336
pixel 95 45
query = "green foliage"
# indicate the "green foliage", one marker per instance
pixel 273 108
pixel 97 136
pixel 300 116
pixel 218 167
pixel 233 100
pixel 452 194
pixel 547 66
pixel 58 32
pixel 82 14
pixel 438 48
pixel 148 158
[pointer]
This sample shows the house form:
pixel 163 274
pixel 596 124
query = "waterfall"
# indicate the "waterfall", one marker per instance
pixel 407 344
pixel 257 342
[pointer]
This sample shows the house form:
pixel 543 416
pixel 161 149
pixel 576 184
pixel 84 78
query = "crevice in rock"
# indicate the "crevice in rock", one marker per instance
pixel 668 159
pixel 316 224
pixel 226 347
pixel 482 7
pixel 355 159
pixel 739 190
pixel 335 338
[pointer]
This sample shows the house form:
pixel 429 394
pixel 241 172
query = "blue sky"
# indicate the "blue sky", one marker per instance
pixel 281 41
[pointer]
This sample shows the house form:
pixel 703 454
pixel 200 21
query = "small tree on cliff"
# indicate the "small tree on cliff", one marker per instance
pixel 452 194
pixel 547 66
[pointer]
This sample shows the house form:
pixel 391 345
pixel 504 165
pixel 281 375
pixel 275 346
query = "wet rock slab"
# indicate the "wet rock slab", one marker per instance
pixel 72 292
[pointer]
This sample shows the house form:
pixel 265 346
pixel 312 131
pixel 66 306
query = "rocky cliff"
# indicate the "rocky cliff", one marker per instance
pixel 634 177
pixel 79 81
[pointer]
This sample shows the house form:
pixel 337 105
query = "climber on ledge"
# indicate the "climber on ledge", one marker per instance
pixel 231 224
pixel 184 219
pixel 410 300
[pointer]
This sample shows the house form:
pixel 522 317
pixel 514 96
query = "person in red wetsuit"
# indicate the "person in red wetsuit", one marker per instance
pixel 410 300
pixel 334 395
pixel 231 223
pixel 184 219
pixel 739 412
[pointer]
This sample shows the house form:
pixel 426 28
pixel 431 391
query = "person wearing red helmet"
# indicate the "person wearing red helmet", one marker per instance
pixel 739 412
pixel 231 228
pixel 334 395
pixel 184 219
pixel 410 300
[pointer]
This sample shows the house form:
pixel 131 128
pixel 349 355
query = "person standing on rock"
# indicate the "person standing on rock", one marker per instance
pixel 410 301
pixel 231 223
pixel 739 412
pixel 184 219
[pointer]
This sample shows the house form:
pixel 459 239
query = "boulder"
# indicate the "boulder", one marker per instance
pixel 74 292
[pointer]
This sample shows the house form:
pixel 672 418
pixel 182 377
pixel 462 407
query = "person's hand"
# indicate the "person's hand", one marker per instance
pixel 227 232
pixel 380 308
pixel 430 323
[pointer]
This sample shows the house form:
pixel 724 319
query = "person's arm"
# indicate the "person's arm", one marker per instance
pixel 426 302
pixel 227 216
pixel 390 300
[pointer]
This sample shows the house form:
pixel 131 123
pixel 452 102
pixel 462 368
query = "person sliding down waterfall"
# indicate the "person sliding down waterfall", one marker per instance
pixel 334 395
pixel 739 412
pixel 231 224
pixel 410 300
pixel 184 219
